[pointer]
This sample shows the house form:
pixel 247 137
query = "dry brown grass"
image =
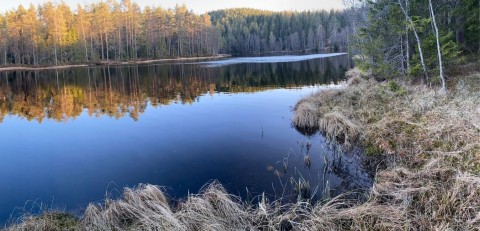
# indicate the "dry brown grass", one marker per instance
pixel 432 182
pixel 337 126
pixel 433 139
pixel 355 76
pixel 52 221
pixel 147 208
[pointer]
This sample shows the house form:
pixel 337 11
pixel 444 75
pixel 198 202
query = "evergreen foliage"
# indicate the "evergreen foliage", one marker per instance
pixel 389 47
pixel 256 31
pixel 55 34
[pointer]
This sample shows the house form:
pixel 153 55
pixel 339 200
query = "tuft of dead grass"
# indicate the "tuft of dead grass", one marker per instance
pixel 337 126
pixel 355 76
pixel 306 115
pixel 144 207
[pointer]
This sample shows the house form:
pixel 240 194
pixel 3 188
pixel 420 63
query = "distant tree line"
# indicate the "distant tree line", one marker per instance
pixel 256 31
pixel 53 33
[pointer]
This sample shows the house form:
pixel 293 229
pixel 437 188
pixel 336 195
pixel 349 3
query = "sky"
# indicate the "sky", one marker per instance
pixel 201 6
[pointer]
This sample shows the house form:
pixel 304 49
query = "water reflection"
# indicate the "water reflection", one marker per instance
pixel 191 124
pixel 335 171
pixel 126 91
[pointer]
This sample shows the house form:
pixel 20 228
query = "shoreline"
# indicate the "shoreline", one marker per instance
pixel 422 144
pixel 110 63
pixel 430 175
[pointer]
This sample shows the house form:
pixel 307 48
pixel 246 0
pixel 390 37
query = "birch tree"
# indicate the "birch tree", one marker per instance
pixel 419 44
pixel 439 52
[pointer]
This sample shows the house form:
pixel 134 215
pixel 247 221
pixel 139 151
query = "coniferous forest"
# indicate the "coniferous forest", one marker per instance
pixel 54 34
pixel 417 37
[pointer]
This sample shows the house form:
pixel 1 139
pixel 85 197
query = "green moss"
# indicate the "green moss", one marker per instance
pixel 392 144
pixel 372 149
pixel 437 144
pixel 410 130
pixel 393 86
pixel 62 221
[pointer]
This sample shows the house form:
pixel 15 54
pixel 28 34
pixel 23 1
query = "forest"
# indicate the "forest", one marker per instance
pixel 54 34
pixel 397 36
pixel 416 37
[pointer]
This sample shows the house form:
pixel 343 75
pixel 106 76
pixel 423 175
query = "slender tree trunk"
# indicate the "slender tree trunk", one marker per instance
pixel 106 37
pixel 134 42
pixel 55 52
pixel 207 42
pixel 403 57
pixel 55 41
pixel 120 43
pixel 106 44
pixel 180 44
pixel 84 42
pixel 126 38
pixel 91 47
pixel 114 43
pixel 101 42
pixel 406 35
pixel 21 48
pixel 420 52
pixel 33 50
pixel 439 53
pixel 169 46
pixel 5 54
pixel 61 50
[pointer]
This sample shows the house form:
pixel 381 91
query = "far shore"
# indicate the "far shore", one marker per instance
pixel 106 63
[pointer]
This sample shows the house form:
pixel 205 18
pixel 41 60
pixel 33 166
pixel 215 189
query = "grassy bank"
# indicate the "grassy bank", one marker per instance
pixel 424 146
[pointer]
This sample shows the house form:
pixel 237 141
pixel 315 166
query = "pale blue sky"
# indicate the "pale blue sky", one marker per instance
pixel 200 6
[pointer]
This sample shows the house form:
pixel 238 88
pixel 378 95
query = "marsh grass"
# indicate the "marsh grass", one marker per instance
pixel 355 76
pixel 337 126
pixel 429 141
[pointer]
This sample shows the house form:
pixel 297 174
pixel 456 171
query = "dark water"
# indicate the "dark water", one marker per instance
pixel 69 137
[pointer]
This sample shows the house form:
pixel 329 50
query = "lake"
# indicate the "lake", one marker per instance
pixel 69 137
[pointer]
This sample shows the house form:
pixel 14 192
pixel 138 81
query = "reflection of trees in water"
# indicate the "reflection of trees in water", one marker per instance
pixel 126 91
pixel 349 166
pixel 336 171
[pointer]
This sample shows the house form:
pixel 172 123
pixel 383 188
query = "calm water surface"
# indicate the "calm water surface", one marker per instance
pixel 69 137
